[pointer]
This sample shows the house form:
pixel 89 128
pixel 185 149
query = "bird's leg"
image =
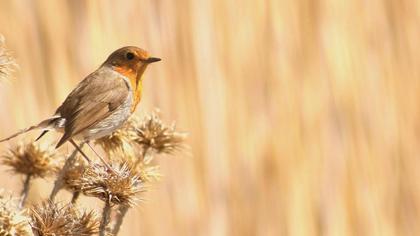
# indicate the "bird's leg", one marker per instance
pixel 100 157
pixel 80 150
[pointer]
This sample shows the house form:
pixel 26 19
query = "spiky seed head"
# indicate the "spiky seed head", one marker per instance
pixel 13 221
pixel 7 62
pixel 153 134
pixel 31 159
pixel 51 219
pixel 118 187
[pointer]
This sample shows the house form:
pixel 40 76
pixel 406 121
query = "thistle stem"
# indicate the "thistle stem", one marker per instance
pixel 58 184
pixel 123 209
pixel 25 191
pixel 75 197
pixel 106 214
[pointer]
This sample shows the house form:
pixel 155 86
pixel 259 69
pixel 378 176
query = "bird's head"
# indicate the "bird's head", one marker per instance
pixel 130 61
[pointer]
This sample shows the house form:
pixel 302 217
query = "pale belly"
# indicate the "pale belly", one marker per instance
pixel 109 124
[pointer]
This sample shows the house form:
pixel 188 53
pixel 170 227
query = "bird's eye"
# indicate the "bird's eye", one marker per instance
pixel 129 56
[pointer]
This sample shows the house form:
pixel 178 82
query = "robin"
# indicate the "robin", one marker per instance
pixel 102 102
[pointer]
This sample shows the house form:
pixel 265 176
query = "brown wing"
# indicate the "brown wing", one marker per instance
pixel 94 99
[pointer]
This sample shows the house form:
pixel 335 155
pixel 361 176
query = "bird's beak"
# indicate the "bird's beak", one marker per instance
pixel 152 59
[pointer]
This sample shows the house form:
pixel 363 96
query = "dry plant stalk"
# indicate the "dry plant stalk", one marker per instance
pixel 106 218
pixel 7 62
pixel 59 182
pixel 13 221
pixel 50 218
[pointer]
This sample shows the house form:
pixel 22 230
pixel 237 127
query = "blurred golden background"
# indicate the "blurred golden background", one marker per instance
pixel 303 115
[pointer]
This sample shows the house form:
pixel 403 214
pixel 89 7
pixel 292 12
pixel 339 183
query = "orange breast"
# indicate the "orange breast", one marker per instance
pixel 136 84
pixel 137 95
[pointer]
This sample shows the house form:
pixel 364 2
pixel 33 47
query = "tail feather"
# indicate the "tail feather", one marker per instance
pixel 42 134
pixel 63 139
pixel 45 124
pixel 19 133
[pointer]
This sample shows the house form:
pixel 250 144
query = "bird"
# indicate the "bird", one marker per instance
pixel 102 102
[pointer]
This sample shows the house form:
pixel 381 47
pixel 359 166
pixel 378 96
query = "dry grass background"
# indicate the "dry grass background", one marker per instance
pixel 303 115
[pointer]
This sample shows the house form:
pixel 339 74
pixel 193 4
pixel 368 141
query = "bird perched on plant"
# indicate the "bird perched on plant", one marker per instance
pixel 102 102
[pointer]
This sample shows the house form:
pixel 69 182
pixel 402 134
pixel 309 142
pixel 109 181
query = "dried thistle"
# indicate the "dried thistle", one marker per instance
pixel 32 160
pixel 13 221
pixel 153 135
pixel 50 219
pixel 117 187
pixel 59 182
pixel 7 62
